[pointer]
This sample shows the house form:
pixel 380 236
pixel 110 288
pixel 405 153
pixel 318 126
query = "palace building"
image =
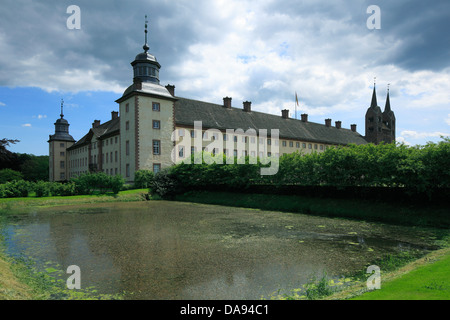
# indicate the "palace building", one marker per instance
pixel 154 128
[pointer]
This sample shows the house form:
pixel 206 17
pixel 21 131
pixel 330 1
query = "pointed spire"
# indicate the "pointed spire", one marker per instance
pixel 374 103
pixel 388 101
pixel 146 47
pixel 62 105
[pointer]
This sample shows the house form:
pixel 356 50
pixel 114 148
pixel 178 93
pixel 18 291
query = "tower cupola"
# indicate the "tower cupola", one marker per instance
pixel 62 128
pixel 145 66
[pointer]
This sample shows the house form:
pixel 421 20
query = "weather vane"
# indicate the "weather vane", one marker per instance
pixel 62 105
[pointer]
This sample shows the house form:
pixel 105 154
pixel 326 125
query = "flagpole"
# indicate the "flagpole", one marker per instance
pixel 296 104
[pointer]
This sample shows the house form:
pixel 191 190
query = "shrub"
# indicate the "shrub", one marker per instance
pixel 7 175
pixel 165 184
pixel 89 182
pixel 42 189
pixel 143 179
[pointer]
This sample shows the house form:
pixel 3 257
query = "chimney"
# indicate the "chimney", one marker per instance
pixel 171 89
pixel 338 124
pixel 247 106
pixel 114 115
pixel 304 117
pixel 285 114
pixel 96 124
pixel 328 122
pixel 353 126
pixel 227 102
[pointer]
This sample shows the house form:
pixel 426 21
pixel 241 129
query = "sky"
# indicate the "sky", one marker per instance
pixel 261 51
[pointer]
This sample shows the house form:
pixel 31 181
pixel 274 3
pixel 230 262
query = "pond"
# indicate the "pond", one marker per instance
pixel 173 250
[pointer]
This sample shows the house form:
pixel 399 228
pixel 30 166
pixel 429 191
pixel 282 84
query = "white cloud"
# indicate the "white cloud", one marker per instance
pixel 40 116
pixel 2 104
pixel 422 135
pixel 26 125
pixel 448 120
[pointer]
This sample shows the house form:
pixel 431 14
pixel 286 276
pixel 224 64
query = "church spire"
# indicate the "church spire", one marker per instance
pixel 388 101
pixel 374 103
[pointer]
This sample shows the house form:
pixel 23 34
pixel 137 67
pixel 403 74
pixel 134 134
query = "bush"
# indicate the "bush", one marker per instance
pixel 42 189
pixel 165 184
pixel 143 179
pixel 89 182
pixel 7 175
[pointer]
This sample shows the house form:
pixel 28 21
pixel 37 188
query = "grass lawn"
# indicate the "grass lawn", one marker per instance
pixel 428 279
pixel 31 201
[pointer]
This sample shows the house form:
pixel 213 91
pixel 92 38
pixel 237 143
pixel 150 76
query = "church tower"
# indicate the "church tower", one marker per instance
pixel 146 118
pixel 380 126
pixel 58 144
pixel 388 122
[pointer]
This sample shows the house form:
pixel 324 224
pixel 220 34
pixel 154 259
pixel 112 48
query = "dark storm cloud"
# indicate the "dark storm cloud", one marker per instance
pixel 37 47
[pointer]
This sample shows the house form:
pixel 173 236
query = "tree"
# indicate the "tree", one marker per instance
pixel 8 159
pixel 7 175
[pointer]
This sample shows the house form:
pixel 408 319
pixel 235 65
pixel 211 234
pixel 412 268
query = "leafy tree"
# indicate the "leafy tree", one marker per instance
pixel 7 175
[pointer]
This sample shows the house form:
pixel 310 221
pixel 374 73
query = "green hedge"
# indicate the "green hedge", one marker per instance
pixel 83 185
pixel 420 169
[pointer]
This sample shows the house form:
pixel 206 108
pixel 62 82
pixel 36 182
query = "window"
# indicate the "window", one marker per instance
pixel 304 145
pixel 106 142
pixel 128 171
pixel 181 151
pixel 115 171
pixel 62 154
pixel 192 133
pixel 269 142
pixel 284 143
pixel 127 107
pixel 309 146
pixel 291 144
pixel 156 124
pixel 111 157
pixel 235 138
pixel 181 132
pixel 252 139
pixel 156 106
pixel 116 139
pixel 127 125
pixel 61 145
pixel 116 156
pixel 156 147
pixel 321 147
pixel 127 148
pixel 156 167
pixel 62 164
pixel 225 137
pixel 62 176
pixel 315 147
pixel 297 144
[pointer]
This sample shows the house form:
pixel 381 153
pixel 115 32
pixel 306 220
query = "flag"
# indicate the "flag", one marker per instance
pixel 296 98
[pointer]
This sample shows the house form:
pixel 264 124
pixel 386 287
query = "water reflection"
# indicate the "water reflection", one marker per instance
pixel 168 250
